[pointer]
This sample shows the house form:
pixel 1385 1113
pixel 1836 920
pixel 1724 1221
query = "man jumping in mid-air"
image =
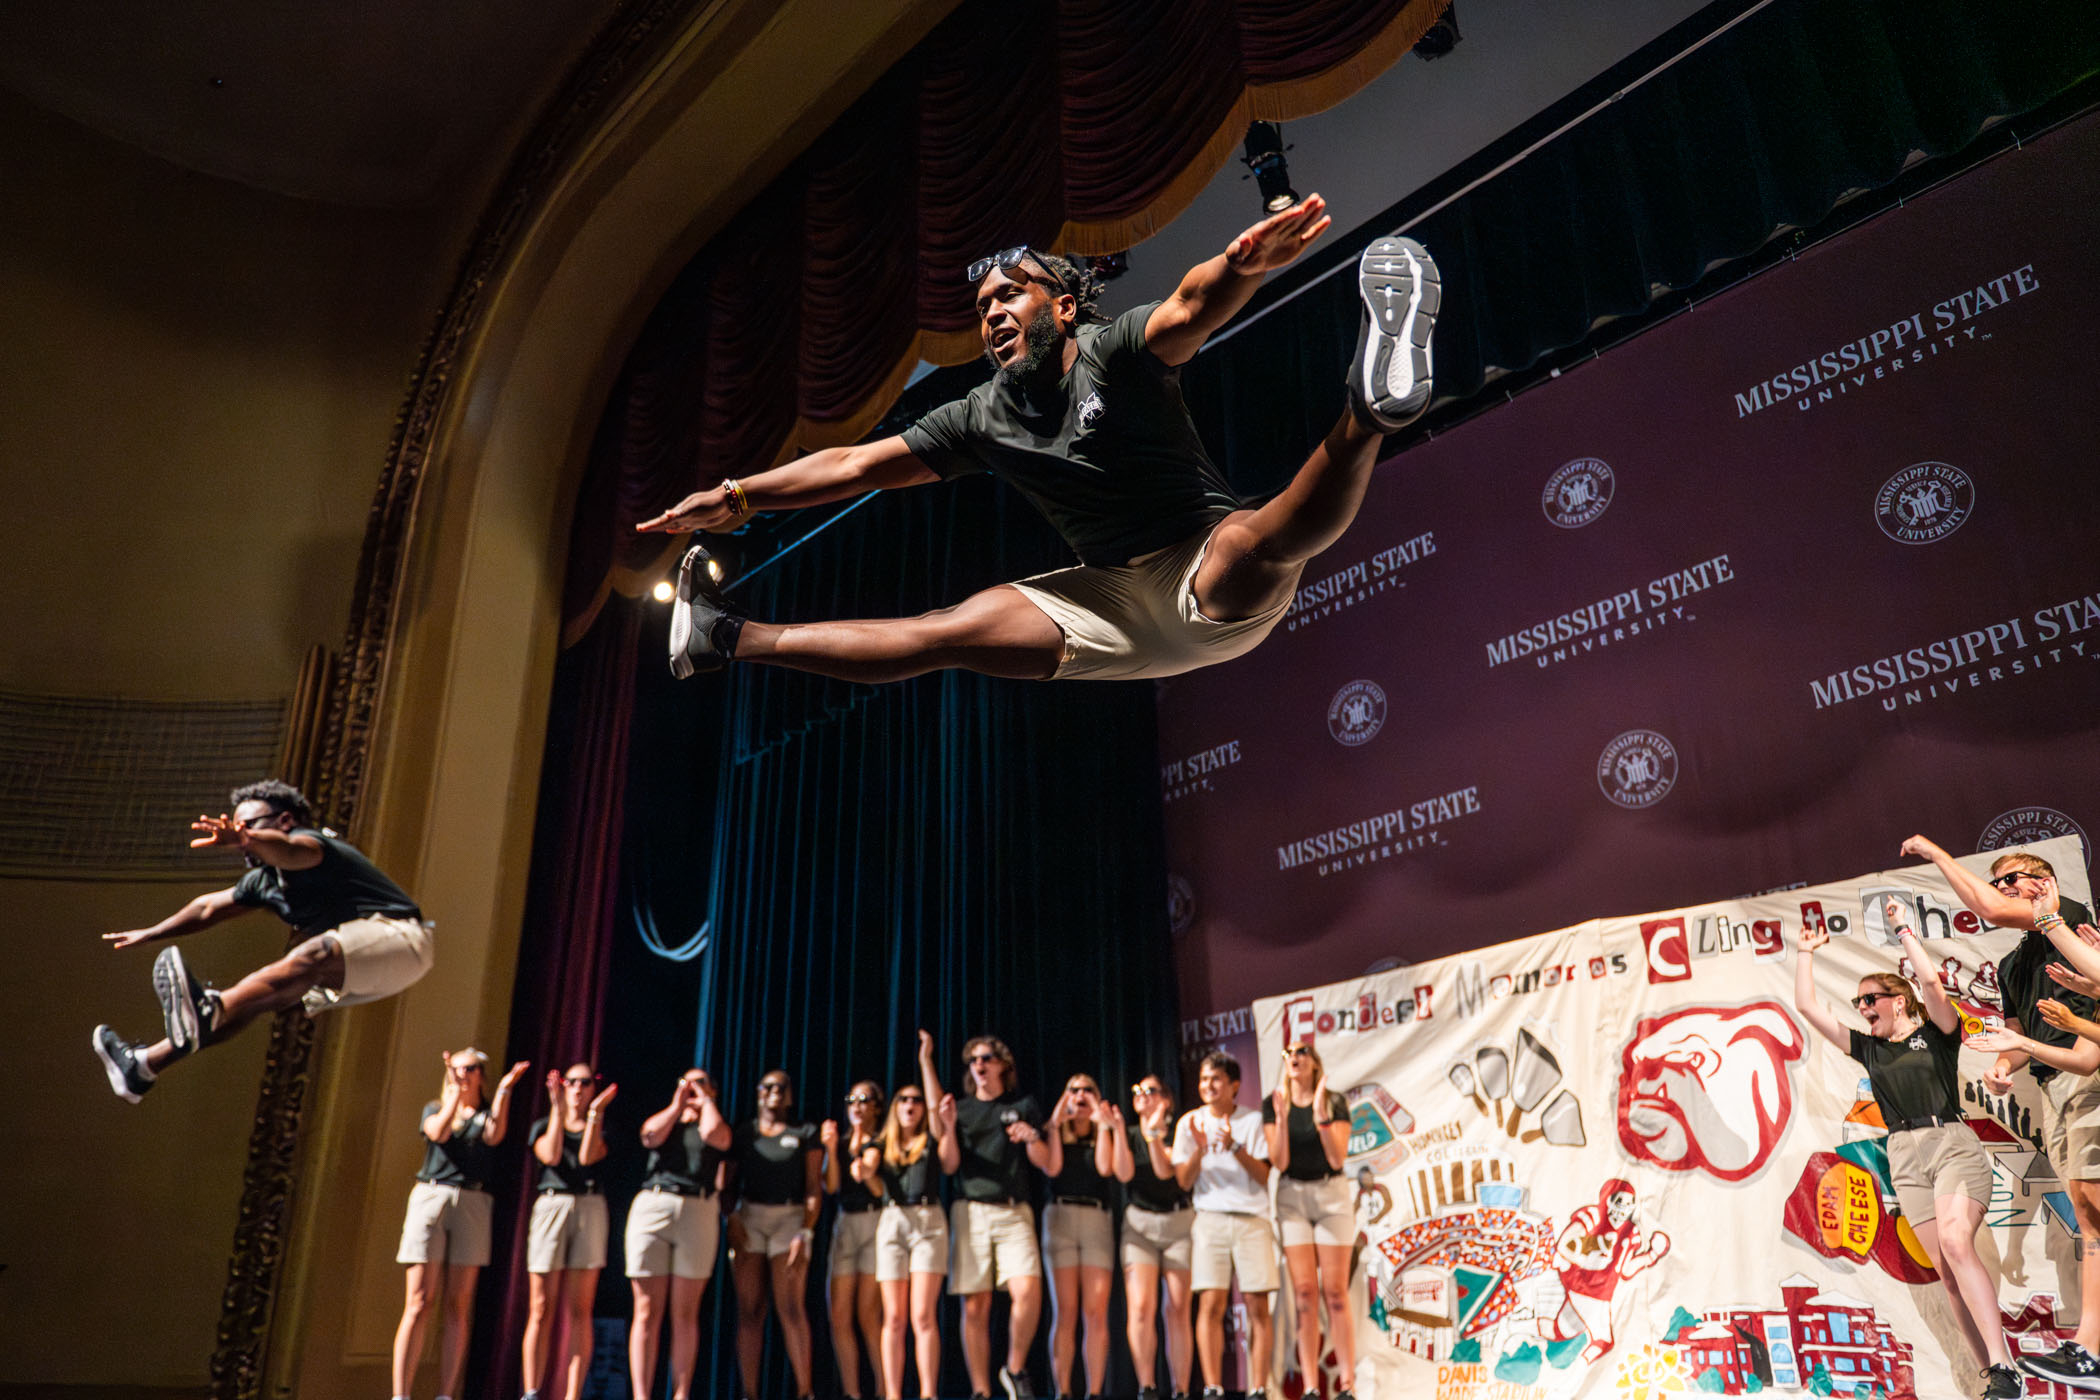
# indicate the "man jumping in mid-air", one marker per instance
pixel 1085 418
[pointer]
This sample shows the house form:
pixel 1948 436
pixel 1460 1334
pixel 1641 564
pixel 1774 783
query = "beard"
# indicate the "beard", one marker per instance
pixel 1040 341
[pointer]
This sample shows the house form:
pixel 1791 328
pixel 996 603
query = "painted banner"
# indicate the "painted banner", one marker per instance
pixel 1737 606
pixel 1613 1161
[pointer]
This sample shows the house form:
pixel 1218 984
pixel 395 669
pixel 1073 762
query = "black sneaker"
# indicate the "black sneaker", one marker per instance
pixel 2069 1365
pixel 1148 1392
pixel 1389 383
pixel 703 624
pixel 1015 1384
pixel 2002 1382
pixel 179 994
pixel 120 1060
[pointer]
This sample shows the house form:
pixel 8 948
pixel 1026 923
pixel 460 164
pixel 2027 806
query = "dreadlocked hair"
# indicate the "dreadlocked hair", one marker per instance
pixel 1080 280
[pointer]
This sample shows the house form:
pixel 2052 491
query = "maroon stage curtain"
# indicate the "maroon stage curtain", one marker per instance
pixel 1081 124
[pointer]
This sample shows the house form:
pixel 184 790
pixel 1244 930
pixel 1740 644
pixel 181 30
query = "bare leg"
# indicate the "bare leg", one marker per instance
pixel 977 1341
pixel 1261 1339
pixel 1094 1285
pixel 415 1315
pixel 747 1270
pixel 896 1309
pixel 1254 555
pixel 1064 1326
pixel 317 962
pixel 458 1327
pixel 1970 1283
pixel 1026 1294
pixel 1180 1348
pixel 1341 1327
pixel 686 1297
pixel 541 1291
pixel 845 1348
pixel 644 1332
pixel 790 1288
pixel 868 1304
pixel 579 1293
pixel 926 1333
pixel 2085 1203
pixel 1210 1334
pixel 1304 1267
pixel 1141 1321
pixel 997 632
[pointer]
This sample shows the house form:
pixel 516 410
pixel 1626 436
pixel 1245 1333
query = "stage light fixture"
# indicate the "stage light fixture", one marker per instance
pixel 663 591
pixel 1442 36
pixel 1263 157
pixel 715 570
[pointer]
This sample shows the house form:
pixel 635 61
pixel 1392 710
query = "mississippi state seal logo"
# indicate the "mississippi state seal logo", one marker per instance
pixel 1577 493
pixel 1924 502
pixel 2023 826
pixel 1637 769
pixel 1181 905
pixel 1357 713
pixel 1090 410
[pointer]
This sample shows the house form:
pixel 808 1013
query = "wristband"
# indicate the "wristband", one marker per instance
pixel 739 502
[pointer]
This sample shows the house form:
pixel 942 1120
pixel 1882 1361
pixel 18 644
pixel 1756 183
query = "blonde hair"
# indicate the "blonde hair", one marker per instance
pixel 895 1150
pixel 481 1062
pixel 1066 1132
pixel 2026 860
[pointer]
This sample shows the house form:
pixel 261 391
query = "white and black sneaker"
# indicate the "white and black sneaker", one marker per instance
pixel 2069 1365
pixel 180 996
pixel 703 624
pixel 120 1060
pixel 1015 1384
pixel 1390 381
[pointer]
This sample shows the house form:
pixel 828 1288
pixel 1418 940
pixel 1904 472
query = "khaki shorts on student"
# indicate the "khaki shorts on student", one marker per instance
pixel 2071 1126
pixel 567 1232
pixel 382 957
pixel 1928 1163
pixel 772 1229
pixel 1158 1237
pixel 853 1242
pixel 1128 621
pixel 1226 1242
pixel 1077 1236
pixel 1316 1212
pixel 672 1236
pixel 446 1225
pixel 910 1240
pixel 992 1246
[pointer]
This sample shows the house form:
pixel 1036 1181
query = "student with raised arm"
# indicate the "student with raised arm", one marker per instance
pixel 674 1231
pixel 2021 893
pixel 1157 1223
pixel 565 1242
pixel 906 1164
pixel 1937 1164
pixel 1221 1157
pixel 992 1225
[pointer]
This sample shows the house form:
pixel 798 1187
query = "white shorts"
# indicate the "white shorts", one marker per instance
pixel 994 1245
pixel 1159 1238
pixel 853 1242
pixel 910 1240
pixel 381 957
pixel 1079 1236
pixel 1316 1212
pixel 567 1232
pixel 1128 621
pixel 669 1235
pixel 770 1229
pixel 446 1225
pixel 1227 1242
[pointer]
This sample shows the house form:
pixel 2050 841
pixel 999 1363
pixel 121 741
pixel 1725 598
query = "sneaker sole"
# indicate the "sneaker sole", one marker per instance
pixel 171 984
pixel 1402 292
pixel 110 1067
pixel 682 664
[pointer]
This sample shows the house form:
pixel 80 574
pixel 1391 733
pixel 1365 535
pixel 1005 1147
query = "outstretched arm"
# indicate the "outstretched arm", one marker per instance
pixel 1930 991
pixel 1971 889
pixel 200 913
pixel 286 850
pixel 1213 291
pixel 834 474
pixel 1813 1011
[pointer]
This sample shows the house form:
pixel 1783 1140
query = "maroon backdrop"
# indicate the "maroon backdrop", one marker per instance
pixel 1739 605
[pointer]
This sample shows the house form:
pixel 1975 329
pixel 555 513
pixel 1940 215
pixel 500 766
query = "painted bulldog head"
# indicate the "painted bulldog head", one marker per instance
pixel 1707 1089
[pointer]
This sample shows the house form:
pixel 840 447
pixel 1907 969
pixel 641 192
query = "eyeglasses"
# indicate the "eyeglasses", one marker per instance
pixel 1145 1091
pixel 2010 878
pixel 861 1098
pixel 1007 259
pixel 1867 999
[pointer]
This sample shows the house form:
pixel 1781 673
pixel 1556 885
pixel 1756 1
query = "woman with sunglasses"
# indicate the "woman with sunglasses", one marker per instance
pixel 1938 1166
pixel 855 1298
pixel 565 1246
pixel 445 1239
pixel 905 1166
pixel 777 1175
pixel 673 1229
pixel 1079 1234
pixel 1307 1125
pixel 1156 1227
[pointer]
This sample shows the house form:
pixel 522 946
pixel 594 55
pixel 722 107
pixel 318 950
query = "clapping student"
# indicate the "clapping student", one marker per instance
pixel 566 1241
pixel 674 1230
pixel 1079 1234
pixel 855 1298
pixel 779 1182
pixel 445 1240
pixel 1307 1128
pixel 911 1240
pixel 1222 1158
pixel 1936 1163
pixel 1156 1228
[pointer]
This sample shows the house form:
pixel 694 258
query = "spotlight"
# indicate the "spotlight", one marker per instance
pixel 1441 37
pixel 1264 157
pixel 715 570
pixel 663 590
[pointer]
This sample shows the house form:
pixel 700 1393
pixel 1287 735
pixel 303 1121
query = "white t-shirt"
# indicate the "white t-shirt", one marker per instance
pixel 1221 1182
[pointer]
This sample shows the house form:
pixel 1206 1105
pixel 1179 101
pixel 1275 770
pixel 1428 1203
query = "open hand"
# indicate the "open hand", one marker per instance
pixel 215 831
pixel 945 1111
pixel 605 1096
pixel 2066 978
pixel 1997 1042
pixel 554 1085
pixel 703 510
pixel 2047 901
pixel 511 1076
pixel 1277 241
pixel 127 940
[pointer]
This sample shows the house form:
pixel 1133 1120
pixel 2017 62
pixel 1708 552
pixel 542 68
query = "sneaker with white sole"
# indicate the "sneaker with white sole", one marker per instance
pixel 179 994
pixel 120 1061
pixel 703 624
pixel 1391 378
pixel 2069 1365
pixel 1016 1385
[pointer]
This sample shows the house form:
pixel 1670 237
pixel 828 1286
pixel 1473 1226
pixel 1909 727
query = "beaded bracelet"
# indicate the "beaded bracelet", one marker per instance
pixel 738 501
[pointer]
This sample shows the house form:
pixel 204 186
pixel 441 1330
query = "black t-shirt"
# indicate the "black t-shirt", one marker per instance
pixel 1914 1077
pixel 684 1163
pixel 2023 980
pixel 1147 1188
pixel 569 1175
pixel 771 1170
pixel 1110 456
pixel 994 1166
pixel 344 886
pixel 1079 1177
pixel 1308 1156
pixel 463 1159
pixel 853 1195
pixel 916 1183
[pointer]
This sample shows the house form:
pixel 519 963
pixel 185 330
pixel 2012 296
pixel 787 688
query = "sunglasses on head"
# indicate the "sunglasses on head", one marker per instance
pixel 1007 259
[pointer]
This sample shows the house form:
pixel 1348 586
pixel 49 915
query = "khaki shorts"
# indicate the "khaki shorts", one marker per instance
pixel 1928 1163
pixel 2071 1126
pixel 1158 1238
pixel 567 1232
pixel 446 1225
pixel 672 1236
pixel 853 1242
pixel 382 957
pixel 993 1246
pixel 1316 1212
pixel 772 1230
pixel 910 1240
pixel 1124 622
pixel 1225 1242
pixel 1079 1236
